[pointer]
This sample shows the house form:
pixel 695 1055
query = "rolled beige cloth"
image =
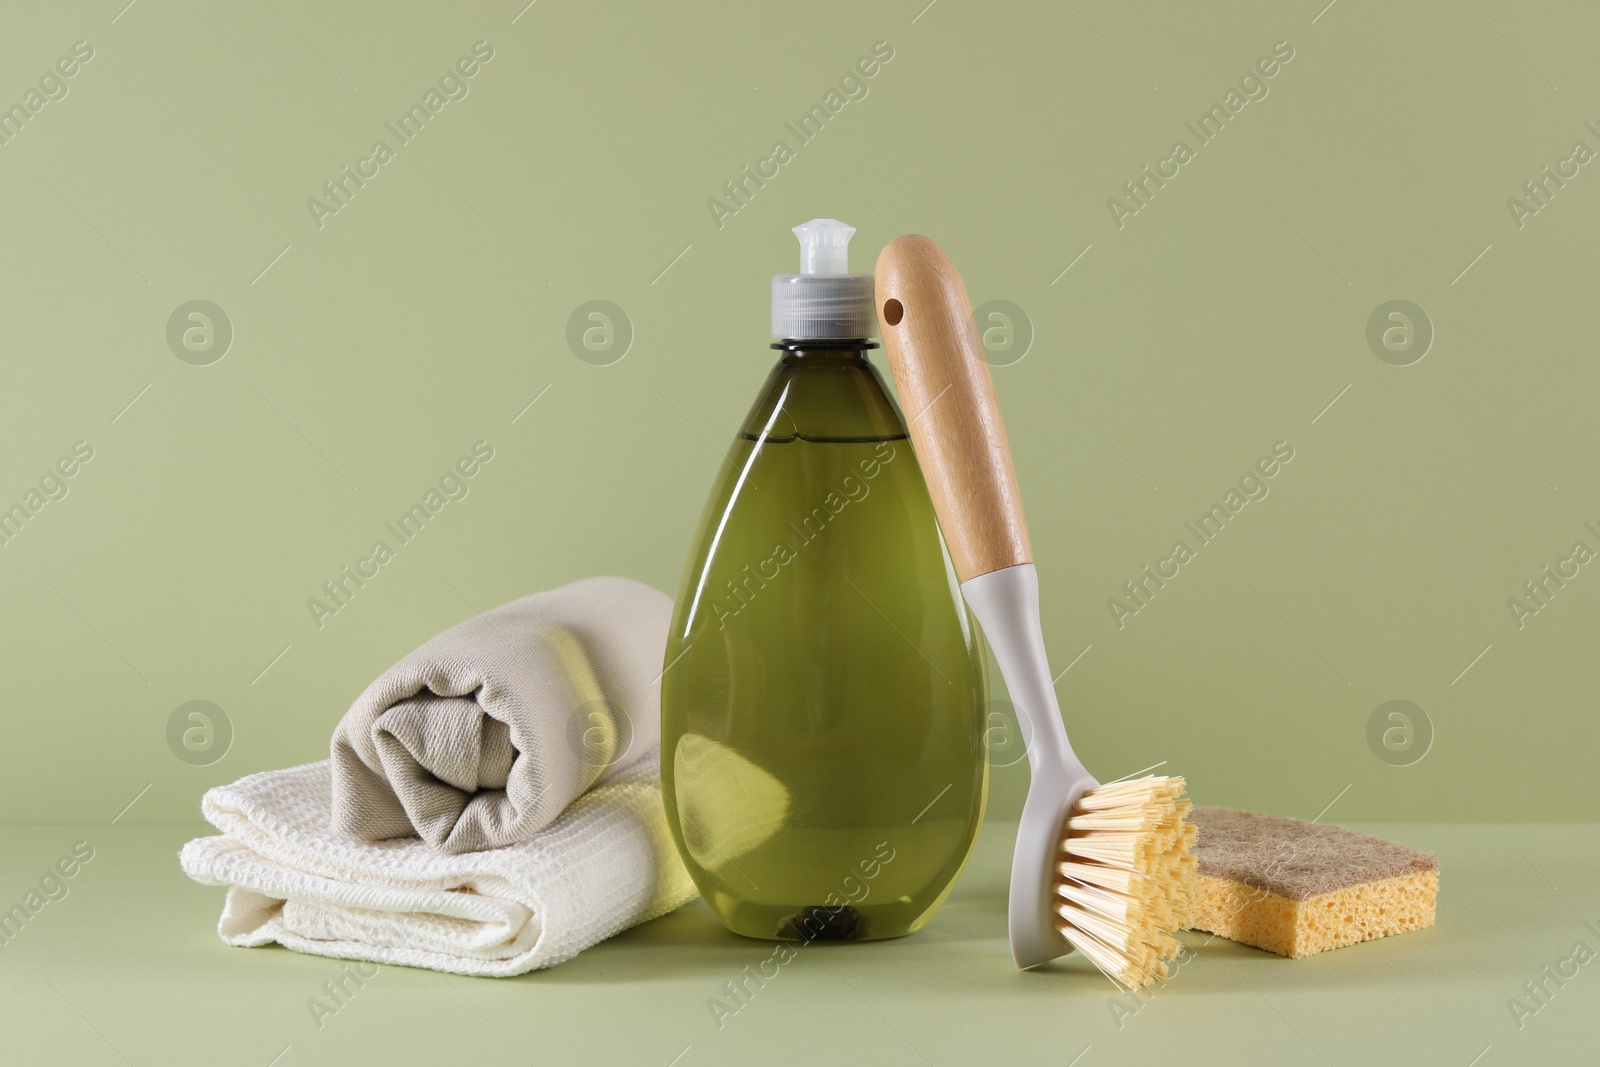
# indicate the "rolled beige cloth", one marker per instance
pixel 482 736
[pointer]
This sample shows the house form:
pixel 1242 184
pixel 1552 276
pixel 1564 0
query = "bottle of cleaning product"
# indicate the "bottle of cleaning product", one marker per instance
pixel 824 697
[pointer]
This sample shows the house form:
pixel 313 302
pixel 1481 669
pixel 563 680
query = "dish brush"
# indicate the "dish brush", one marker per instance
pixel 1108 869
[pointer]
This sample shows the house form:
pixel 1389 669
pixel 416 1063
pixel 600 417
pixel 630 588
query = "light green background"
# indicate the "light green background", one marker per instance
pixel 427 314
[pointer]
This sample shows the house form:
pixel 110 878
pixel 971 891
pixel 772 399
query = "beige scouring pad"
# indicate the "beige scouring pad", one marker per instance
pixel 1297 888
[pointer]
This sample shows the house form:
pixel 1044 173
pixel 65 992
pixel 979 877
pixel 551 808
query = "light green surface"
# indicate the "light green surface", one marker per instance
pixel 127 965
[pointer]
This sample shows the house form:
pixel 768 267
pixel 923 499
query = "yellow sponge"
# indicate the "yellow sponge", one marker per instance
pixel 1298 888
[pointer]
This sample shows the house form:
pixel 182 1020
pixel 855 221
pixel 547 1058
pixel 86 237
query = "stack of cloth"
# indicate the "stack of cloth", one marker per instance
pixel 492 804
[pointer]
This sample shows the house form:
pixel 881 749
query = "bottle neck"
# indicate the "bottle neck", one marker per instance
pixel 823 351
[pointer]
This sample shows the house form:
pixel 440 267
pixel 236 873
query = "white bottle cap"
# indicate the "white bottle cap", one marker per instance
pixel 824 301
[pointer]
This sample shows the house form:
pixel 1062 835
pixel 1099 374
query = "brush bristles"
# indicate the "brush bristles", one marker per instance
pixel 1125 876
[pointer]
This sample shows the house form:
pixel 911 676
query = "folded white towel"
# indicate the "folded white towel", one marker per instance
pixel 607 863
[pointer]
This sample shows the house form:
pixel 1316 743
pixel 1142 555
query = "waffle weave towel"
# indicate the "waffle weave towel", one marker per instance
pixel 605 864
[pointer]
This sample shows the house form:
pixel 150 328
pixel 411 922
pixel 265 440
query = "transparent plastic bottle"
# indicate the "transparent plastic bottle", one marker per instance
pixel 825 696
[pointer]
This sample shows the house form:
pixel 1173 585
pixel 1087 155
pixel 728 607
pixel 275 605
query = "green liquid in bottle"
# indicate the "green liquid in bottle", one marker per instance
pixel 824 703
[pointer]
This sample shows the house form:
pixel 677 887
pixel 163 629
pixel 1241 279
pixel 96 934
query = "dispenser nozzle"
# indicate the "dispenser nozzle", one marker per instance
pixel 824 246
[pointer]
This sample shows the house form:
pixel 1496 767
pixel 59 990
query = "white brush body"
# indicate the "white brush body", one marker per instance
pixel 1006 603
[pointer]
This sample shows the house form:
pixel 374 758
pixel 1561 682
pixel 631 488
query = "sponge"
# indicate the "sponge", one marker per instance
pixel 1298 888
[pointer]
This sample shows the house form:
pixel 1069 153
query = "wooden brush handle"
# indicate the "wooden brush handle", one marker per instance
pixel 950 406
